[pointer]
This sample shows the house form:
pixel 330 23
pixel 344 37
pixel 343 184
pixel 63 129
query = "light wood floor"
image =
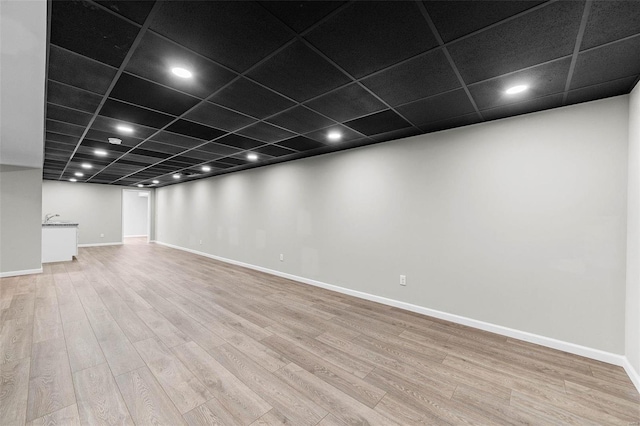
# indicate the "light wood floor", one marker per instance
pixel 143 334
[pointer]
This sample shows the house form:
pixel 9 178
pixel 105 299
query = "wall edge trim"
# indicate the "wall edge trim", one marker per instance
pixel 585 351
pixel 632 373
pixel 18 273
pixel 100 244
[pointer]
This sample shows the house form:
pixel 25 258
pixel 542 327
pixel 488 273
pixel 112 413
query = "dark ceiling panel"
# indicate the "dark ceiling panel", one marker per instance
pixel 155 57
pixel 543 80
pixel 423 76
pixel 380 122
pixel 437 108
pixel 110 126
pixel 71 97
pixel 300 143
pixel 233 26
pixel 216 148
pixel 265 132
pixel 102 137
pixel 177 140
pixel 137 11
pixel 161 148
pixel 144 93
pixel 250 98
pixel 300 120
pixel 464 120
pixel 56 137
pixel 64 128
pixel 300 15
pixel 133 114
pixel 366 37
pixel 346 103
pixel 64 66
pixel 542 35
pixel 94 33
pixel 525 107
pixel 455 19
pixel 621 59
pixel 346 133
pixel 237 141
pixel 67 115
pixel 195 130
pixel 611 20
pixel 604 90
pixel 299 73
pixel 217 116
pixel 273 151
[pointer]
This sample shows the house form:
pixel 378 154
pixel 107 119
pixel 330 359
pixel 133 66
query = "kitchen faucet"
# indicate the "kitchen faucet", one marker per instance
pixel 50 216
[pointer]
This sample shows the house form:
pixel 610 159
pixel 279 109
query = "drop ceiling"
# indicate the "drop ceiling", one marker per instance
pixel 275 78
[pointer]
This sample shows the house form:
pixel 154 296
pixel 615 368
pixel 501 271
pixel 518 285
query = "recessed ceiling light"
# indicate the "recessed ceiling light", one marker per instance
pixel 155 182
pixel 206 168
pixel 86 166
pixel 516 89
pixel 334 136
pixel 124 129
pixel 73 180
pixel 100 152
pixel 181 72
pixel 252 156
pixel 140 185
pixel 79 174
pixel 176 176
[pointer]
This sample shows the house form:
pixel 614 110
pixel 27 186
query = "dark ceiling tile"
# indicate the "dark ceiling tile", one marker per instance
pixel 321 135
pixel 299 73
pixel 89 145
pixel 417 78
pixel 368 36
pixel 187 160
pixel 238 141
pixel 64 66
pixel 265 132
pixel 454 19
pixel 300 143
pixel 201 155
pixel 542 80
pixel 71 97
pixel 611 88
pixel 437 108
pixel 525 107
pixel 235 26
pixel 103 137
pixel 155 57
pixel 396 134
pixel 380 122
pixel 151 154
pixel 122 111
pixel 217 116
pixel 109 125
pixel 56 137
pixel 251 99
pixel 177 140
pixel 142 160
pixel 218 149
pixel 300 120
pixel 144 93
pixel 450 123
pixel 346 103
pixel 71 116
pixel 64 128
pixel 542 35
pixel 59 146
pixel 137 11
pixel 234 161
pixel 221 165
pixel 607 63
pixel 161 148
pixel 609 21
pixel 195 130
pixel 300 15
pixel 273 151
pixel 85 28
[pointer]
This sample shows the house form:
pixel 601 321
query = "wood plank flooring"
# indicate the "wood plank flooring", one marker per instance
pixel 143 334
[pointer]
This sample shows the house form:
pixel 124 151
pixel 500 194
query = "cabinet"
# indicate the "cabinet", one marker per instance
pixel 59 242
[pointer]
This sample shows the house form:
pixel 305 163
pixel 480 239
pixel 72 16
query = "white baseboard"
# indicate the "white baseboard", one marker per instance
pixel 100 244
pixel 18 273
pixel 135 236
pixel 597 354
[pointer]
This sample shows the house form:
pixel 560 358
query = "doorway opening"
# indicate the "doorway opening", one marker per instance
pixel 136 216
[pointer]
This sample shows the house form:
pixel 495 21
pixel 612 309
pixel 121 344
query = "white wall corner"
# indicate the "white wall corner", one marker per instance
pixel 18 273
pixel 549 342
pixel 633 374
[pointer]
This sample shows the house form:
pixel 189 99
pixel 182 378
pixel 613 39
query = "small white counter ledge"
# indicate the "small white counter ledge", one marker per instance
pixel 59 241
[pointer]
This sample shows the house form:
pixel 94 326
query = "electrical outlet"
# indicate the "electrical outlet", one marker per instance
pixel 281 257
pixel 101 235
pixel 403 280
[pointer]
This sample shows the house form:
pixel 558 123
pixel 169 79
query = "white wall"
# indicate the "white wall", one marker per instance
pixel 519 222
pixel 97 208
pixel 632 335
pixel 135 219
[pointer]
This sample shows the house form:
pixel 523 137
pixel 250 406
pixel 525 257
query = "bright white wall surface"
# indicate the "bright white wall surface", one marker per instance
pixel 20 222
pixel 519 222
pixel 97 208
pixel 135 219
pixel 633 236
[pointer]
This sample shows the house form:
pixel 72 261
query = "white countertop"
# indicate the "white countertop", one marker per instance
pixel 65 224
